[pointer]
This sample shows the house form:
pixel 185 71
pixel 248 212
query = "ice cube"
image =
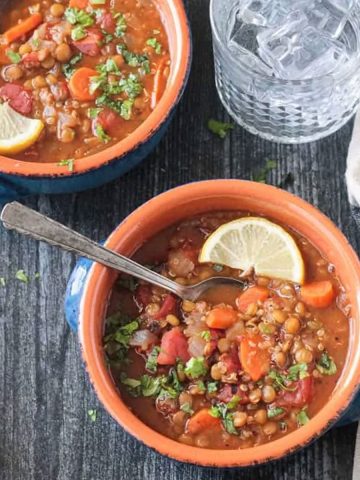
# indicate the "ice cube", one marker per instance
pixel 296 52
pixel 262 12
pixel 325 16
pixel 344 5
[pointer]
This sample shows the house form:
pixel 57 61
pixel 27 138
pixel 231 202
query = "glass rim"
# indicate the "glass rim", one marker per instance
pixel 338 75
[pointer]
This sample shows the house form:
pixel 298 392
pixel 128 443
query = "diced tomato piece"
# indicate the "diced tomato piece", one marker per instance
pixel 90 45
pixel 174 346
pixel 168 306
pixel 106 22
pixel 110 121
pixel 302 395
pixel 231 360
pixel 31 60
pixel 19 99
pixel 143 295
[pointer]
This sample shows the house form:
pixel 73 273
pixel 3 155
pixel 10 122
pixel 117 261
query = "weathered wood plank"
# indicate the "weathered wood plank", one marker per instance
pixel 45 432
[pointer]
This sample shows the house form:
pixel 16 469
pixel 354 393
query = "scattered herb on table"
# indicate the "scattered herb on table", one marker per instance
pixel 220 129
pixel 22 276
pixel 287 180
pixel 2 282
pixel 92 414
pixel 261 175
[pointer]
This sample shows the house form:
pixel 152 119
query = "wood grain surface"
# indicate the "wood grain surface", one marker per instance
pixel 45 431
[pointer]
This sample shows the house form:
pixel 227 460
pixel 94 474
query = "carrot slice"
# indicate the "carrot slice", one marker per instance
pixel 160 81
pixel 221 317
pixel 201 420
pixel 78 3
pixel 252 295
pixel 80 82
pixel 318 294
pixel 254 360
pixel 22 28
pixel 4 59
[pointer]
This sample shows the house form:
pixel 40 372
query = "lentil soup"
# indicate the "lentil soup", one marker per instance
pixel 91 71
pixel 241 366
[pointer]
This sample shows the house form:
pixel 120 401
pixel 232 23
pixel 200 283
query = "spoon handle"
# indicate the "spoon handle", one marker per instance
pixel 29 222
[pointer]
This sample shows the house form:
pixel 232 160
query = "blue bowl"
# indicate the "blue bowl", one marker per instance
pixel 18 179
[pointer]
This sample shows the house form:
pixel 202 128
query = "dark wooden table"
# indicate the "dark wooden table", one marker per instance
pixel 45 431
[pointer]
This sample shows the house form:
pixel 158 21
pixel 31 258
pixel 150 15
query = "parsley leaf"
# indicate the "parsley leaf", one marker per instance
pixel 92 414
pixel 124 333
pixel 155 44
pixel 186 407
pixel 220 129
pixel 94 112
pixel 274 412
pixel 78 16
pixel 212 387
pixel 22 276
pixel 121 25
pixel 233 403
pixel 100 133
pixel 326 365
pixel 262 174
pixel 220 410
pixel 134 59
pixel 126 109
pixel 217 268
pixel 206 335
pixel 78 33
pixel 69 162
pixel 280 380
pixel 151 362
pixel 298 371
pixel 302 417
pixel 68 68
pixel 13 56
pixel 196 367
pixel 131 86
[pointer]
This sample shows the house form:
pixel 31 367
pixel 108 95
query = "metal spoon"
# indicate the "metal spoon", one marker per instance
pixel 29 222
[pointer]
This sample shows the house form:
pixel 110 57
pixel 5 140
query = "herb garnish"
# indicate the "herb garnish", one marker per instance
pixel 134 59
pixel 326 365
pixel 186 407
pixel 78 16
pixel 206 335
pixel 131 85
pixel 262 174
pixel 162 386
pixel 274 412
pixel 101 134
pixel 151 362
pixel 220 129
pixel 92 414
pixel 302 417
pixel 13 56
pixel 220 410
pixel 68 162
pixel 68 68
pixel 121 25
pixel 22 276
pixel 196 367
pixel 155 44
pixel 212 387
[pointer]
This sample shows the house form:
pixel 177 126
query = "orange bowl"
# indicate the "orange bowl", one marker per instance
pixel 20 178
pixel 172 207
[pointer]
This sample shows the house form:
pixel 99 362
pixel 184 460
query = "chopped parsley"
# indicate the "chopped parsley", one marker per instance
pixel 155 44
pixel 186 407
pixel 107 37
pixel 68 162
pixel 280 380
pixel 22 276
pixel 266 328
pixel 131 86
pixel 201 386
pixel 302 417
pixel 298 371
pixel 126 109
pixel 121 25
pixel 124 333
pixel 68 68
pixel 295 372
pixel 196 367
pixel 37 275
pixel 262 174
pixel 92 414
pixel 218 268
pixel 151 362
pixel 233 403
pixel 94 112
pixel 206 335
pixel 97 2
pixel 35 42
pixel 274 412
pixel 162 386
pixel 326 365
pixel 76 16
pixel 101 134
pixel 13 56
pixel 212 387
pixel 220 129
pixel 2 282
pixel 78 33
pixel 220 410
pixel 134 59
pixel 109 66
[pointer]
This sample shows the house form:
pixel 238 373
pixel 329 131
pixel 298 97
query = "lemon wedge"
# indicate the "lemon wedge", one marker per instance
pixel 254 242
pixel 16 131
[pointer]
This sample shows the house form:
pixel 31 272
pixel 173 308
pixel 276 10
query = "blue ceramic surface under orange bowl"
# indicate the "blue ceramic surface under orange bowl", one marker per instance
pixel 19 179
